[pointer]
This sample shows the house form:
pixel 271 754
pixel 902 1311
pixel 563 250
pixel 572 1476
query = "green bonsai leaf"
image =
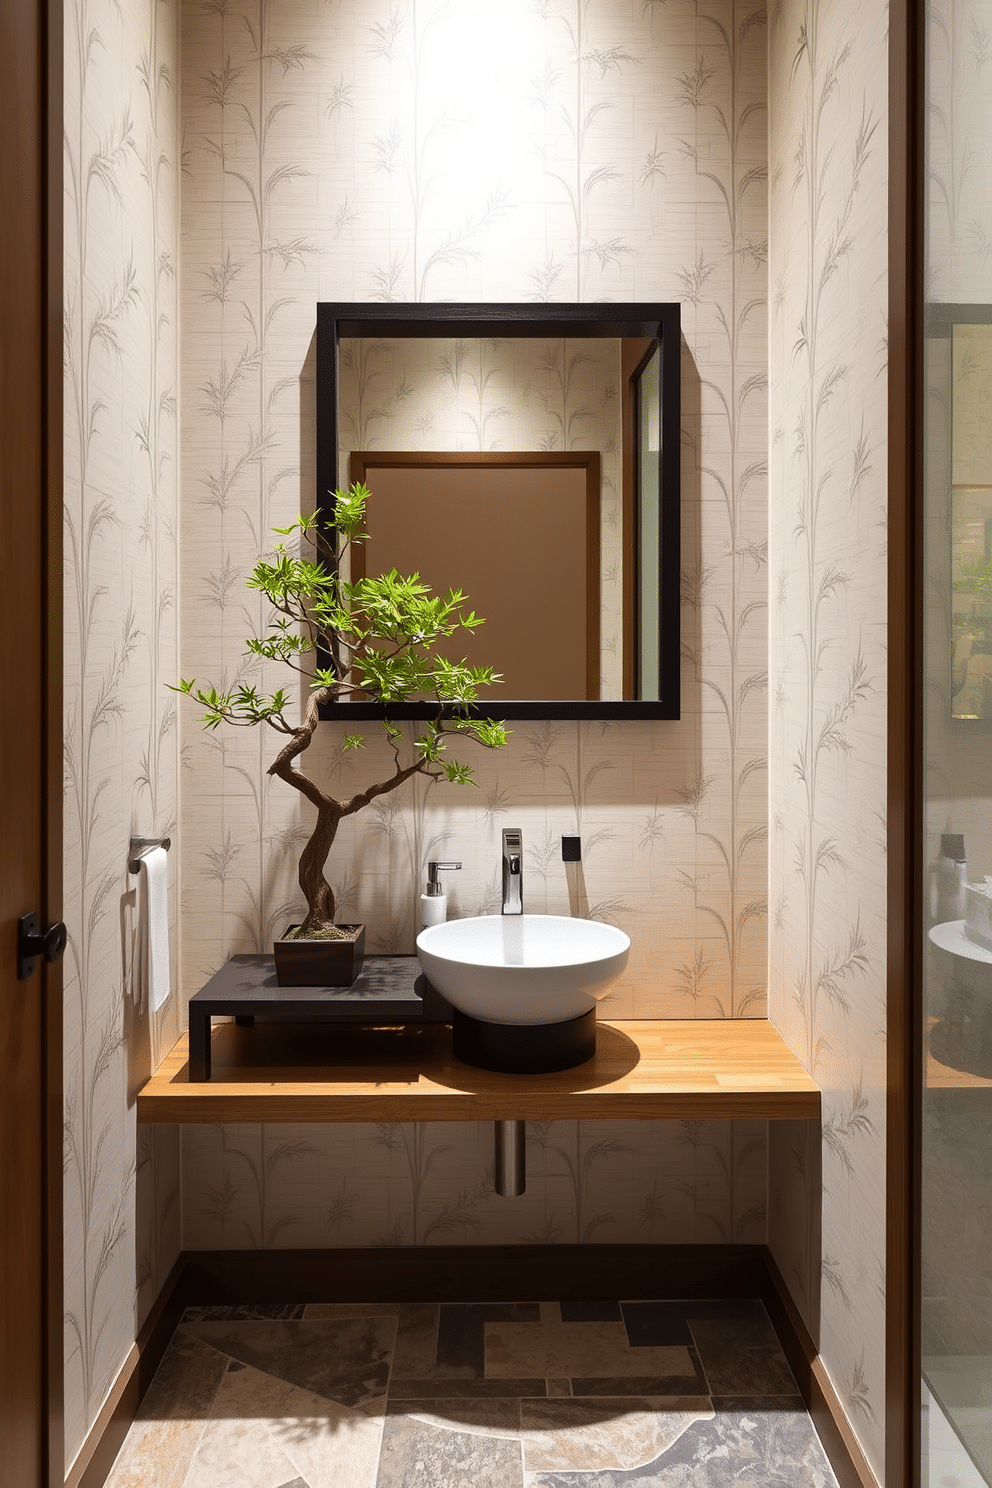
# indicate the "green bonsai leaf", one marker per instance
pixel 349 512
pixel 304 523
pixel 379 634
pixel 289 580
pixel 486 731
pixel 280 648
pixel 459 774
pixel 430 745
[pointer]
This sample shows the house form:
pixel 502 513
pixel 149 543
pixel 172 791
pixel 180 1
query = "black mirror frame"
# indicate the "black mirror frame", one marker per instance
pixel 661 322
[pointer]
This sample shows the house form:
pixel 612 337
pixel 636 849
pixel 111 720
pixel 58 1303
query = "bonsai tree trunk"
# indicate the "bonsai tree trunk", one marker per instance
pixel 317 891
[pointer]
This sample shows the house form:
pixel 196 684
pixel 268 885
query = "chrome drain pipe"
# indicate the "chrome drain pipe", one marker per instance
pixel 511 1166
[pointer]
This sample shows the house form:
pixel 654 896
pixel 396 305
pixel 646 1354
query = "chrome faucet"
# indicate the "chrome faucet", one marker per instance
pixel 513 871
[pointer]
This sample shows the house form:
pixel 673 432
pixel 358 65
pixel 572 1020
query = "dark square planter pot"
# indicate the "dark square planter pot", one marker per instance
pixel 320 963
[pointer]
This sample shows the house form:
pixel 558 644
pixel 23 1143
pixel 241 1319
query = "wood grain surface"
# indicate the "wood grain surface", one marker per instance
pixel 645 1070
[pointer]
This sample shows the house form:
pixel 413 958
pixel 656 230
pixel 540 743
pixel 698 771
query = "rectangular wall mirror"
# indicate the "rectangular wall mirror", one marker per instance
pixel 530 456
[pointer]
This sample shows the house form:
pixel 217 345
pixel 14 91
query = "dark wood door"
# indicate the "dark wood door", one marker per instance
pixel 30 739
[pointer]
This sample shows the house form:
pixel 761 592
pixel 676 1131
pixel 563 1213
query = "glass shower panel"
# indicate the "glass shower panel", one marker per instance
pixel 956 1191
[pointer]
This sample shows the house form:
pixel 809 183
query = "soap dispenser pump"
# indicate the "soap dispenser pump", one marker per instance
pixel 434 904
pixel 949 879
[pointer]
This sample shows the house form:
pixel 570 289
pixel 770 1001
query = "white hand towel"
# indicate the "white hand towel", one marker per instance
pixel 152 939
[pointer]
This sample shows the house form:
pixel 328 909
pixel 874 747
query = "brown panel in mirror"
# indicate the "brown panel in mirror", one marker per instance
pixel 518 527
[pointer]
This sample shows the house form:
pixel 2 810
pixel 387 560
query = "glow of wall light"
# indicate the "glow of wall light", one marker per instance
pixel 472 98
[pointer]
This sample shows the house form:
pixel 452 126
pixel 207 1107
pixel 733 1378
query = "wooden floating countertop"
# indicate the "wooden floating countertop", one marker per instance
pixel 692 1069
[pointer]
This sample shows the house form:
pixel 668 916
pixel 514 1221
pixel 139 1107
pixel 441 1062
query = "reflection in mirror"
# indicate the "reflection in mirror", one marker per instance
pixel 645 534
pixel 451 399
pixel 534 574
pixel 519 395
pixel 971 521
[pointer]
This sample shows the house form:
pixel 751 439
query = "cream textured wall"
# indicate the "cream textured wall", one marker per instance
pixel 564 150
pixel 827 724
pixel 121 227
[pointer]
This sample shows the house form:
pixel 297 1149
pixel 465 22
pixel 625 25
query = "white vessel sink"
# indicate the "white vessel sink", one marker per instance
pixel 523 969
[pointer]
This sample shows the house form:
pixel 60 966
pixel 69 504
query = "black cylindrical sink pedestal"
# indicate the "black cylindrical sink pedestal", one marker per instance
pixel 523 1049
pixel 520 1049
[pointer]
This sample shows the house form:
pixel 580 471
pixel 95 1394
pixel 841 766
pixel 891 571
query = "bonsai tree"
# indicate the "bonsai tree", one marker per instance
pixel 372 636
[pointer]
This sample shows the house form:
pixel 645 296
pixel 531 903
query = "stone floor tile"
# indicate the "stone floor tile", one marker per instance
pixel 488 1415
pixel 593 1435
pixel 463 1330
pixel 463 1389
pixel 415 1353
pixel 565 1350
pixel 742 1358
pixel 161 1443
pixel 776 1448
pixel 304 1398
pixel 265 1432
pixel 693 1382
pixel 415 1455
pixel 346 1360
pixel 651 1323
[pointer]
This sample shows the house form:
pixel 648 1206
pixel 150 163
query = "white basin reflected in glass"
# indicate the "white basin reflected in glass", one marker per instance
pixel 523 969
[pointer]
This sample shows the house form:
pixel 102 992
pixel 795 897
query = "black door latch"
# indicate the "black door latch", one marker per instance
pixel 32 944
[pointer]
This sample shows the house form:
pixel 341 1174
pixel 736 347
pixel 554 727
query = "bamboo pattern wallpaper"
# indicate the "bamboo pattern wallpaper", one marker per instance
pixel 827 714
pixel 286 118
pixel 438 149
pixel 539 150
pixel 432 1184
pixel 121 229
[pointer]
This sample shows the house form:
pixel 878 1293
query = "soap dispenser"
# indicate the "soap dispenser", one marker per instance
pixel 434 904
pixel 950 874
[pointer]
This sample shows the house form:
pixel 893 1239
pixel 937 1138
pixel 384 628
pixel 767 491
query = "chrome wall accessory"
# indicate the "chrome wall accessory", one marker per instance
pixel 511 1162
pixel 141 845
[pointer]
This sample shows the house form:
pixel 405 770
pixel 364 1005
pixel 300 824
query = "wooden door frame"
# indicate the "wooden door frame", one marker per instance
pixel 53 907
pixel 904 1057
pixel 31 109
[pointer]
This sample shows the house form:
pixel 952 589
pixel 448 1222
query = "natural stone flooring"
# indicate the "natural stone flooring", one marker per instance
pixel 503 1395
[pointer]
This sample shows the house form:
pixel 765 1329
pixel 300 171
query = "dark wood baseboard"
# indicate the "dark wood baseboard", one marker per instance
pixel 826 1412
pixel 484 1273
pixel 106 1436
pixel 475 1273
